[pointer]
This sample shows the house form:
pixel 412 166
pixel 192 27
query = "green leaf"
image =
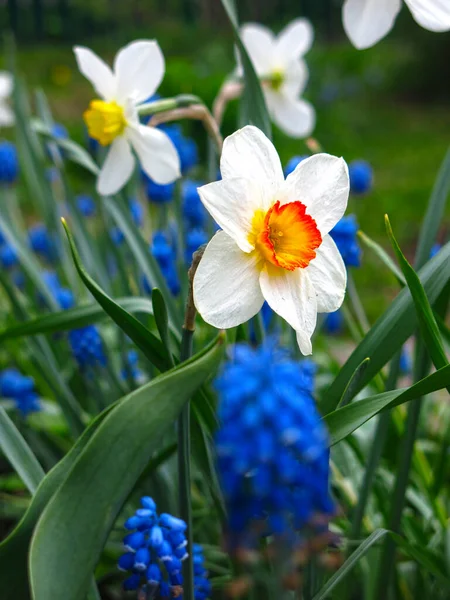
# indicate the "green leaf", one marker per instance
pixel 427 323
pixel 14 549
pixel 254 102
pixel 74 151
pixel 142 254
pixel 434 214
pixel 19 453
pixel 75 318
pixel 148 343
pixel 383 256
pixel 353 383
pixel 390 331
pixel 91 497
pixel 344 421
pixel 28 263
pixel 350 563
pixel 162 322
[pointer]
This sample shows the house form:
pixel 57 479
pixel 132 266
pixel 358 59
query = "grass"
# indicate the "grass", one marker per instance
pixel 360 114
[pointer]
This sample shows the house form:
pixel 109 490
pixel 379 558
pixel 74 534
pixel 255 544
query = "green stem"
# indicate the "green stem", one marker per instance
pixel 181 101
pixel 376 451
pixel 386 564
pixel 184 435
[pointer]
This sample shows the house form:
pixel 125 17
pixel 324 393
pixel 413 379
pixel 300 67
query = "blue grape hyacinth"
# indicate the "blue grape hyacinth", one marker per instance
pixel 194 213
pixel 186 147
pixel 21 389
pixel 194 239
pixel 272 446
pixel 293 163
pixel 86 205
pixel 157 193
pixel 40 241
pixel 9 163
pixel 334 322
pixel 8 256
pixel 344 235
pixel 87 346
pixel 155 550
pixel 361 177
pixel 165 257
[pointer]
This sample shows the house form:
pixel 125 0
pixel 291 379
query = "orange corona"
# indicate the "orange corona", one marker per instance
pixel 285 235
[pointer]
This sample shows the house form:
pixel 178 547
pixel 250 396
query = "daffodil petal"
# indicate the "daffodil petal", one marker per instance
pixel 291 295
pixel 322 183
pixel 232 203
pixel 7 117
pixel 6 84
pixel 157 154
pixel 366 22
pixel 97 72
pixel 139 68
pixel 296 118
pixel 304 342
pixel 259 42
pixel 295 40
pixel 248 153
pixel 297 74
pixel 226 288
pixel 117 168
pixel 328 275
pixel 431 14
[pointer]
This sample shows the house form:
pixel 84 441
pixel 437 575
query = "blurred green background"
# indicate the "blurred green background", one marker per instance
pixel 388 105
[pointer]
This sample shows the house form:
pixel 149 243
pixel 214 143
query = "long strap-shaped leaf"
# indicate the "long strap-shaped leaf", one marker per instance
pixel 75 318
pixel 19 453
pixel 255 105
pixel 345 420
pixel 391 330
pixel 71 533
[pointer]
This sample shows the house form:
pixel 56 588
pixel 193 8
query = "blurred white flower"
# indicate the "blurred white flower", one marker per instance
pixel 366 22
pixel 275 243
pixel 6 87
pixel 113 120
pixel 278 62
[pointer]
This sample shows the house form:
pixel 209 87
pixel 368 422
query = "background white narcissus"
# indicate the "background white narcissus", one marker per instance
pixel 366 22
pixel 278 61
pixel 6 87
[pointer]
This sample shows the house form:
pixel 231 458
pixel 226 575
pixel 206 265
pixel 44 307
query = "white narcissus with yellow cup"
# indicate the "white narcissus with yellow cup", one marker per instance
pixel 113 119
pixel 275 243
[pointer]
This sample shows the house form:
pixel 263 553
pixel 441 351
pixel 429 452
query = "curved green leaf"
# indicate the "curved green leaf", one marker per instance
pixel 253 100
pixel 74 318
pixel 391 330
pixel 19 453
pixel 72 531
pixel 14 549
pixel 427 321
pixel 150 345
pixel 345 420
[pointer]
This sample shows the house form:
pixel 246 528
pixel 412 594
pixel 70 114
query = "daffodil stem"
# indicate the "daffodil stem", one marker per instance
pixel 181 101
pixel 184 435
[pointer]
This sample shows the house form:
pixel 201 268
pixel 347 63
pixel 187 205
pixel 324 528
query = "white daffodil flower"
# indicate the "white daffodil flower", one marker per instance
pixel 366 22
pixel 275 243
pixel 6 87
pixel 113 119
pixel 278 62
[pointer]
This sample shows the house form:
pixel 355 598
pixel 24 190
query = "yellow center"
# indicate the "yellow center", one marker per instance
pixel 276 79
pixel 105 121
pixel 285 236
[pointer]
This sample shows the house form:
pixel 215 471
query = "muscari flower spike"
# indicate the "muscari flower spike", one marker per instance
pixel 164 254
pixel 194 212
pixel 334 322
pixel 86 205
pixel 361 177
pixel 186 146
pixel 344 236
pixel 41 242
pixel 156 547
pixel 194 239
pixel 159 194
pixel 113 118
pixel 8 255
pixel 20 389
pixel 9 162
pixel 293 164
pixel 278 61
pixel 272 446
